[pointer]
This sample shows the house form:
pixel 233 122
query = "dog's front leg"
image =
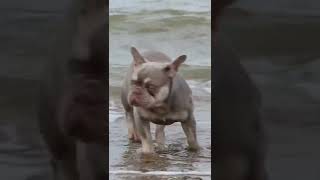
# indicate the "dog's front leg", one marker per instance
pixel 160 135
pixel 132 130
pixel 143 128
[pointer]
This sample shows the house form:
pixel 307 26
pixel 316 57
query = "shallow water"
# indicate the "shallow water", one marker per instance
pixel 173 161
pixel 175 28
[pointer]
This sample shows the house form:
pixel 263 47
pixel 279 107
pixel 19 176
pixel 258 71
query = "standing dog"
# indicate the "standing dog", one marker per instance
pixel 154 92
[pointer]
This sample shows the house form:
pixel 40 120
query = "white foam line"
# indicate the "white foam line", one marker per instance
pixel 160 173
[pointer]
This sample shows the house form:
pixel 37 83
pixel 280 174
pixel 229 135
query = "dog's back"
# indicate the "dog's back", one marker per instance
pixel 156 56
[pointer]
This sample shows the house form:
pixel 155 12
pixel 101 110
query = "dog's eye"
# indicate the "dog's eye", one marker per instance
pixel 151 87
pixel 135 82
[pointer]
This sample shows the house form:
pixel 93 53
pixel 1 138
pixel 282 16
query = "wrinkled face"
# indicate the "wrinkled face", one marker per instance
pixel 150 85
pixel 150 81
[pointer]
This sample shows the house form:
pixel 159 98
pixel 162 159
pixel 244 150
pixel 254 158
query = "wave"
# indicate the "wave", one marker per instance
pixel 160 173
pixel 134 6
pixel 188 71
pixel 201 91
pixel 158 21
pixel 198 78
pixel 200 87
pixel 115 111
pixel 176 12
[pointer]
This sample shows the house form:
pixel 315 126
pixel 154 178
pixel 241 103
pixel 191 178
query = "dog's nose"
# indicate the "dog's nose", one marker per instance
pixel 133 101
pixel 137 91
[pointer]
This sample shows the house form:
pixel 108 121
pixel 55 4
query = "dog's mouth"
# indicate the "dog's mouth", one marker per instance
pixel 158 107
pixel 134 104
pixel 134 101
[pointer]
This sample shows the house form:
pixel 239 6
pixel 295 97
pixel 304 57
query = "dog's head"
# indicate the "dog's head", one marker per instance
pixel 151 80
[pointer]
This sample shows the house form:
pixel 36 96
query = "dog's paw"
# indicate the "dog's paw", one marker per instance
pixel 134 138
pixel 142 151
pixel 194 148
pixel 160 147
pixel 147 157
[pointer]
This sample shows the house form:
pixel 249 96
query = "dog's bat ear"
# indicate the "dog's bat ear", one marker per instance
pixel 137 58
pixel 173 68
pixel 177 62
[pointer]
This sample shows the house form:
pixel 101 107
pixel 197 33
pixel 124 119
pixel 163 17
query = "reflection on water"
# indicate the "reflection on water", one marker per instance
pixel 174 161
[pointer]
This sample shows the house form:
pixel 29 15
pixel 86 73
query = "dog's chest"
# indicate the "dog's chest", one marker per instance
pixel 163 118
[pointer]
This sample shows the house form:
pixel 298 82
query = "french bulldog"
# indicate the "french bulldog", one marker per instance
pixel 153 91
pixel 73 100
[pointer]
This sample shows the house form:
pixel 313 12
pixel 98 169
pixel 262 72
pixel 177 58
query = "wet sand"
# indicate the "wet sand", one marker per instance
pixel 174 162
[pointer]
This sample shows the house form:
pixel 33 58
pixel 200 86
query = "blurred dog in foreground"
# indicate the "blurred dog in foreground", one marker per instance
pixel 239 143
pixel 73 105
